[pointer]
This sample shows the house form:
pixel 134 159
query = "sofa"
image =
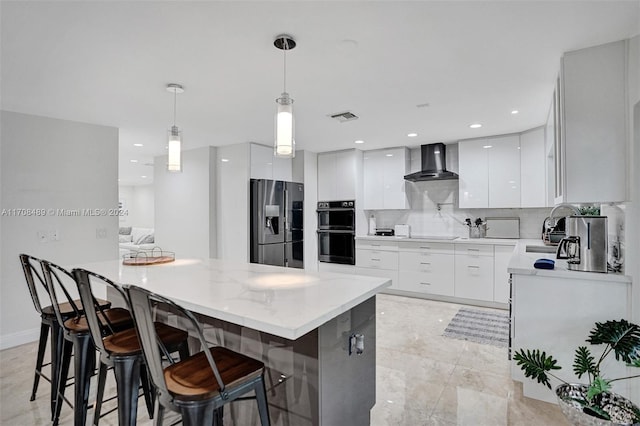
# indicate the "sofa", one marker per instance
pixel 133 239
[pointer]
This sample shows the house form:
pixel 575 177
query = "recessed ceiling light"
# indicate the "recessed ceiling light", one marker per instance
pixel 358 141
pixel 487 146
pixel 412 135
pixel 514 112
pixel 389 155
pixel 224 160
pixel 475 125
pixel 143 177
pixel 134 161
pixel 137 144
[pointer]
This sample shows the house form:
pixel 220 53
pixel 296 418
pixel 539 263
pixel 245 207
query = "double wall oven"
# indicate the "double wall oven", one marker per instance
pixel 336 232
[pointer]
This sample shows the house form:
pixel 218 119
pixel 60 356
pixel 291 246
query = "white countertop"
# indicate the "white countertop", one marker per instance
pixel 522 263
pixel 285 302
pixel 456 240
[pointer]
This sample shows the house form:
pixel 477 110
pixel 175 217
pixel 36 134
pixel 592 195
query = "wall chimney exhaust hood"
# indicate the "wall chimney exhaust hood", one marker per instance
pixel 434 164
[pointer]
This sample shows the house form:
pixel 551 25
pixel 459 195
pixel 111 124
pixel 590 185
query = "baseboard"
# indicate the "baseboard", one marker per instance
pixel 19 338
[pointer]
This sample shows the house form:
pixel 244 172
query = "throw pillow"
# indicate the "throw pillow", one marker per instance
pixel 125 238
pixel 146 239
pixel 125 230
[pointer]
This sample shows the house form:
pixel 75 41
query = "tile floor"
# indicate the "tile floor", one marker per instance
pixel 422 377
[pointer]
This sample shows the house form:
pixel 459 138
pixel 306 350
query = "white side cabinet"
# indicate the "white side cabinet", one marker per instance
pixel 338 175
pixel 383 182
pixel 593 136
pixel 474 271
pixel 426 268
pixel 532 168
pixel 265 165
pixel 378 259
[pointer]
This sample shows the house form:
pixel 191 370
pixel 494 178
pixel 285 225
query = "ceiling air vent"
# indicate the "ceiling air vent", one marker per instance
pixel 343 117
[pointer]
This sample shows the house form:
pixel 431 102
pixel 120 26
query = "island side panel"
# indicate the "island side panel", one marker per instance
pixel 348 382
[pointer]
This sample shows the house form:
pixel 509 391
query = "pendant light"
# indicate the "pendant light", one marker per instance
pixel 285 144
pixel 174 162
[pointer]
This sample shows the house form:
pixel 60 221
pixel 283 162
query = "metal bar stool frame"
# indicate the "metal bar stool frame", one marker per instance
pixel 129 367
pixel 194 411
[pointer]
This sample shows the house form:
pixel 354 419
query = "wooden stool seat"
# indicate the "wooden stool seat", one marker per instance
pixel 193 378
pixel 119 318
pixel 66 308
pixel 126 343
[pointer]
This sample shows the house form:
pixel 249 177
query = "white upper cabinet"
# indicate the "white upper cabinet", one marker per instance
pixel 337 175
pixel 504 171
pixel 532 168
pixel 593 124
pixel 264 165
pixel 473 165
pixel 384 184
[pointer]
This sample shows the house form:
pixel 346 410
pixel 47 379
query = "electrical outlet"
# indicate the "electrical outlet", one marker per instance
pixel 42 236
pixel 101 233
pixel 54 235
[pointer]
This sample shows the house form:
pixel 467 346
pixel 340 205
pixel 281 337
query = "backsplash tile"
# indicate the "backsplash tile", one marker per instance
pixel 425 218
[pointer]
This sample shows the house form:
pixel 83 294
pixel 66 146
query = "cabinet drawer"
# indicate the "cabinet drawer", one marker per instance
pixel 474 250
pixel 379 259
pixel 426 247
pixel 377 245
pixel 419 261
pixel 474 277
pixel 384 273
pixel 439 281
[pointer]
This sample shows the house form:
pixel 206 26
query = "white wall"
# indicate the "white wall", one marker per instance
pixel 184 204
pixel 138 201
pixel 305 170
pixel 52 164
pixel 232 204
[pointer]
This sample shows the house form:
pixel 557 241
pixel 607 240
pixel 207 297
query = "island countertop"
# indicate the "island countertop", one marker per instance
pixel 285 302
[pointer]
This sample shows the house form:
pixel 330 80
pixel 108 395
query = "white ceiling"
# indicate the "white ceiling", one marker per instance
pixel 109 62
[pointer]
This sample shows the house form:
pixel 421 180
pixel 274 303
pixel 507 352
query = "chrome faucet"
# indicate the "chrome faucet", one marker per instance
pixel 571 207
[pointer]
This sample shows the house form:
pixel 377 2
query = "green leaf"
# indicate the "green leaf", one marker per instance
pixel 584 363
pixel 536 365
pixel 623 336
pixel 594 410
pixel 596 387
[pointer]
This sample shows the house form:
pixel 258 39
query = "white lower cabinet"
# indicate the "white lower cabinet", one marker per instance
pixel 474 272
pixel 426 268
pixel 378 259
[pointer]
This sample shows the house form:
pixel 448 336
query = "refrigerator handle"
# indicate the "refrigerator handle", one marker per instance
pixel 287 225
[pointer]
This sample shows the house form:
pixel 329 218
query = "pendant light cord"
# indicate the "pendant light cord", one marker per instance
pixel 284 53
pixel 175 95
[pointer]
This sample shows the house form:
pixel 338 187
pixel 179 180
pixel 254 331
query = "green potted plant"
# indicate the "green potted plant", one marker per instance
pixel 592 403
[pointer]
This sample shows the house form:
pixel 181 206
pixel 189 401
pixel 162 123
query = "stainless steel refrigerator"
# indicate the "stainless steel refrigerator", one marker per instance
pixel 276 229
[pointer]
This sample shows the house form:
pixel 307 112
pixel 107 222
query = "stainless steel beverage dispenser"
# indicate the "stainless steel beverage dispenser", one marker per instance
pixel 585 246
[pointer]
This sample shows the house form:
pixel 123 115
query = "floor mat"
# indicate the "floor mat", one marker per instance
pixel 490 328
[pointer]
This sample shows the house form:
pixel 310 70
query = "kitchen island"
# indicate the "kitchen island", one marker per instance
pixel 298 323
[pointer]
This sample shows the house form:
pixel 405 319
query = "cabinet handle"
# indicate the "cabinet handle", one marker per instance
pixel 375 260
pixel 375 245
pixel 472 249
pixel 427 248
pixel 474 267
pixel 425 263
pixel 425 283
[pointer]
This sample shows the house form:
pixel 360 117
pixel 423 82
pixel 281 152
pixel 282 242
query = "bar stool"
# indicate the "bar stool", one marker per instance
pixel 76 336
pixel 121 351
pixel 32 269
pixel 199 386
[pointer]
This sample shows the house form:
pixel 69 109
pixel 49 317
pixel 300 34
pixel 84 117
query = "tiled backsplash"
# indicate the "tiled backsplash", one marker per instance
pixel 425 218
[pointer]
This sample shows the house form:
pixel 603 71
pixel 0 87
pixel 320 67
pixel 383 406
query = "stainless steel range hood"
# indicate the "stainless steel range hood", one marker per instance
pixel 434 164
